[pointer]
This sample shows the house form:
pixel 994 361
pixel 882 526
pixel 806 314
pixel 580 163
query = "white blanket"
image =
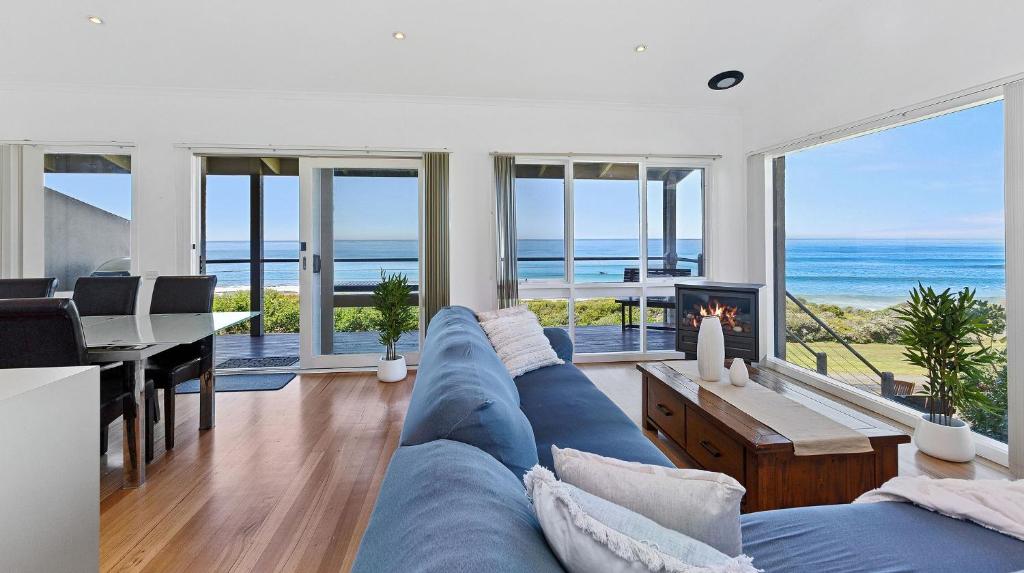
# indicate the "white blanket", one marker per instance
pixel 995 504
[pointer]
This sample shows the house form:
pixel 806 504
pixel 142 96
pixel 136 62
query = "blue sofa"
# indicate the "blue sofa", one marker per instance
pixel 453 499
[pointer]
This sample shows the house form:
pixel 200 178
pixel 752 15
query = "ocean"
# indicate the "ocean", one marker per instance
pixel 854 272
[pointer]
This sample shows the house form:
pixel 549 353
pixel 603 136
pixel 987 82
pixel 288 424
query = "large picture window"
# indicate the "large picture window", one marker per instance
pixel 867 219
pixel 601 243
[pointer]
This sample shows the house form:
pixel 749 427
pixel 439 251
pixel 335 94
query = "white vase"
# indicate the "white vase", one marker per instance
pixel 738 374
pixel 710 349
pixel 391 370
pixel 951 443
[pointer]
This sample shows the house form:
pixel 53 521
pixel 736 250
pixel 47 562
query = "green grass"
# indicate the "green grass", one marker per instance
pixel 885 357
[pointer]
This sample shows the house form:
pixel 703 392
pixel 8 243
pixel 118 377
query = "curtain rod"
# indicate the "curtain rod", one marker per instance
pixel 623 155
pixel 314 149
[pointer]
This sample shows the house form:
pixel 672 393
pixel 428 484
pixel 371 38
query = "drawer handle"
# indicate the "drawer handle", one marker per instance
pixel 664 409
pixel 711 449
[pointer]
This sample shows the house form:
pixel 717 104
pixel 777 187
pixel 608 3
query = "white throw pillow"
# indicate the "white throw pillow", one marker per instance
pixel 703 505
pixel 501 312
pixel 517 337
pixel 589 534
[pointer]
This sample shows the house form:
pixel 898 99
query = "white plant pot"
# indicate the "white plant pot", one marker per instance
pixel 391 370
pixel 951 443
pixel 710 349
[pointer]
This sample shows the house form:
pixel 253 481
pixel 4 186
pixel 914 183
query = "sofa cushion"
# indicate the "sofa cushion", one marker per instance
pixel 464 393
pixel 567 410
pixel 703 505
pixel 590 534
pixel 447 506
pixel 560 342
pixel 517 337
pixel 875 538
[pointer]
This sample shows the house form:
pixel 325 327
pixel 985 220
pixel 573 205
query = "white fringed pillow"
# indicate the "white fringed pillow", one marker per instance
pixel 517 337
pixel 703 505
pixel 590 534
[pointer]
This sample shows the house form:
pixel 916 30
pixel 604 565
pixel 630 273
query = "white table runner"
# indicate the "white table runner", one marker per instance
pixel 812 434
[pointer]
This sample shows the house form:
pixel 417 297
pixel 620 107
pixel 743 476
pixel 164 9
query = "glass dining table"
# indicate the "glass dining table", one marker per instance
pixel 133 339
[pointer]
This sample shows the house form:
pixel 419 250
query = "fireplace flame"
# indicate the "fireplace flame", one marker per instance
pixel 725 313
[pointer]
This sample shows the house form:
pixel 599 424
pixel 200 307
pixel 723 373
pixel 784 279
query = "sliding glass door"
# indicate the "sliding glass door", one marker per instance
pixel 601 243
pixel 250 241
pixel 360 219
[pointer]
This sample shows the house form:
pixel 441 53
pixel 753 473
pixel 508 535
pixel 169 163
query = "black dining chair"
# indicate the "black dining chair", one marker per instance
pixel 27 288
pixel 179 295
pixel 114 296
pixel 47 332
pixel 106 296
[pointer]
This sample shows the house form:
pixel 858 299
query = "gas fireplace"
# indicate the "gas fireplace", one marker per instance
pixel 736 305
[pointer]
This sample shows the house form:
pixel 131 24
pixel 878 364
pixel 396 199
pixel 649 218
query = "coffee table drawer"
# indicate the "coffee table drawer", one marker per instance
pixel 667 410
pixel 712 448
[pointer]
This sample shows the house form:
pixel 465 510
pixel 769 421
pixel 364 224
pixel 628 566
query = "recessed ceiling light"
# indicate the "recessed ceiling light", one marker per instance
pixel 725 80
pixel 95 19
pixel 640 48
pixel 398 35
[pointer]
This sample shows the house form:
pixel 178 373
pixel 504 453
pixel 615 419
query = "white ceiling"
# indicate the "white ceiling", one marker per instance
pixel 806 61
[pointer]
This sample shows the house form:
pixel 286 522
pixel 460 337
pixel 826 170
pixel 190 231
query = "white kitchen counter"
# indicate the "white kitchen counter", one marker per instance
pixel 49 474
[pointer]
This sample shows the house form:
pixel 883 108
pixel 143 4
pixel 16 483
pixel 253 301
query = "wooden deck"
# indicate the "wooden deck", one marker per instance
pixel 589 339
pixel 245 346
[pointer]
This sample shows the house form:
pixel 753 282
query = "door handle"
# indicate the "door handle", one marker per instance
pixel 663 409
pixel 316 264
pixel 710 449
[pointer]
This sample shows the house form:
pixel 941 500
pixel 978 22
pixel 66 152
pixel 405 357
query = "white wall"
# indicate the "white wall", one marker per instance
pixel 157 122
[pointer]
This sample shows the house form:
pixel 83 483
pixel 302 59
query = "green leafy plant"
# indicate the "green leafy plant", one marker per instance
pixel 391 301
pixel 948 335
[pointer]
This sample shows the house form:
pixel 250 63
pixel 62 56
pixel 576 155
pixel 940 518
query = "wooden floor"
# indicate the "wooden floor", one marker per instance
pixel 285 482
pixel 287 479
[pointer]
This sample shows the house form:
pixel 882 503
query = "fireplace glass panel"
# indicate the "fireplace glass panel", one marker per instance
pixel 736 312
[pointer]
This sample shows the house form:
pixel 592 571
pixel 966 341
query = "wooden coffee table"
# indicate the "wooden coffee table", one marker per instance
pixel 719 437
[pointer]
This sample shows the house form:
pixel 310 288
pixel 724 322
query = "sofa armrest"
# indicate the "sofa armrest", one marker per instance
pixel 560 342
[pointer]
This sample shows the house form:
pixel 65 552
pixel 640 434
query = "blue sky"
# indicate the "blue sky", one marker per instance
pixel 938 178
pixel 111 192
pixel 365 208
pixel 603 209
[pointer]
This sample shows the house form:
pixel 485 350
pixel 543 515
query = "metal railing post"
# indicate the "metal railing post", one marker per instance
pixel 822 363
pixel 888 385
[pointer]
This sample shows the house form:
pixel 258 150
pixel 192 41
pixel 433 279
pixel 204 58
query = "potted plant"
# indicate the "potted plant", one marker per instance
pixel 945 333
pixel 393 317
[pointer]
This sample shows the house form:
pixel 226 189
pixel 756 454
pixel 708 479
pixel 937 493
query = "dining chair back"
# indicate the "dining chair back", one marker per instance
pixel 27 288
pixel 183 294
pixel 40 332
pixel 101 296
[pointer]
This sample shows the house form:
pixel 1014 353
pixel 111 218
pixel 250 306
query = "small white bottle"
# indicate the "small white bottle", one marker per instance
pixel 738 373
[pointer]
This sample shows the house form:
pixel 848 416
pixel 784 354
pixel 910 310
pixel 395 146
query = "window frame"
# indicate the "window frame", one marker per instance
pixel 570 290
pixel 33 237
pixel 988 448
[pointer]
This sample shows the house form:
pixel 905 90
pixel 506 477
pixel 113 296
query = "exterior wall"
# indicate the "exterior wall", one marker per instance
pixel 80 237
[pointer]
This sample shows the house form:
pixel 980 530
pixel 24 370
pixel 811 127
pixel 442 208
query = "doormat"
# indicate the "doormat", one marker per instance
pixel 240 383
pixel 260 362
